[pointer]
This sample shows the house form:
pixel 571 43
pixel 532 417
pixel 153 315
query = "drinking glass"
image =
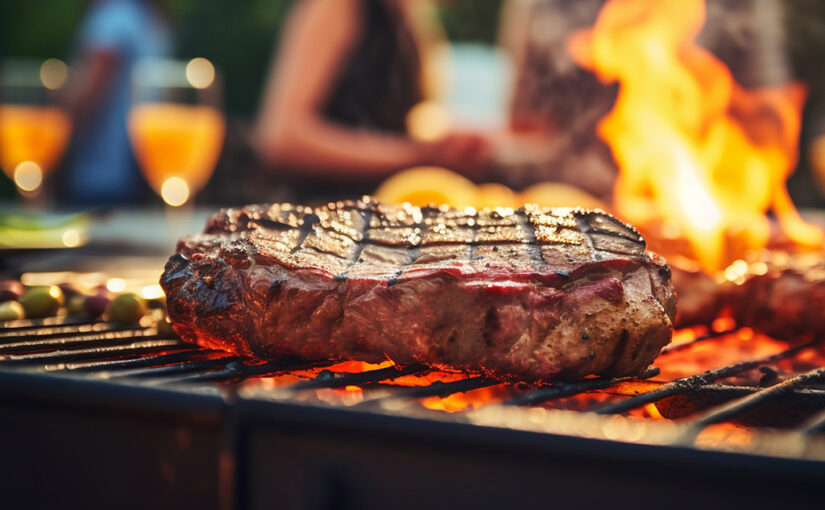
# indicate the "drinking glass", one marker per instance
pixel 34 129
pixel 176 126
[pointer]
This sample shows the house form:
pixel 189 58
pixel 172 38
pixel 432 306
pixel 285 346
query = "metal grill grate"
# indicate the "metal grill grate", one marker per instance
pixel 251 432
pixel 142 355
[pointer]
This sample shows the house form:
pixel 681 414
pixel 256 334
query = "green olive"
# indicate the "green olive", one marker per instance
pixel 127 308
pixel 42 301
pixel 11 310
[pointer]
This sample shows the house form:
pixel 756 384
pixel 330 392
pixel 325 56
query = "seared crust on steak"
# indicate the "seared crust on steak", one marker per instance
pixel 533 294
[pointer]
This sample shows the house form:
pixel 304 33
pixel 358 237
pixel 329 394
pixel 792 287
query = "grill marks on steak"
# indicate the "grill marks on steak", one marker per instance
pixel 531 294
pixel 371 240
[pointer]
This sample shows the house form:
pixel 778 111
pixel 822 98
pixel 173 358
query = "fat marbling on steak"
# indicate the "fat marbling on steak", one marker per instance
pixel 532 294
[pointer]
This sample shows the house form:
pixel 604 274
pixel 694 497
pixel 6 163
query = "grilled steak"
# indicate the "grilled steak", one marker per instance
pixel 527 294
pixel 777 293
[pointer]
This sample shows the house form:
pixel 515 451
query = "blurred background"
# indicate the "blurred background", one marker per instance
pixel 240 39
pixel 198 129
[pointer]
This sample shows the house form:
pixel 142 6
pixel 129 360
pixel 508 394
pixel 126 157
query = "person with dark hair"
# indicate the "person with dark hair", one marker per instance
pixel 112 37
pixel 335 106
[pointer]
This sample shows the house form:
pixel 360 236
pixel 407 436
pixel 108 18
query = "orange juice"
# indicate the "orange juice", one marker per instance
pixel 176 140
pixel 32 133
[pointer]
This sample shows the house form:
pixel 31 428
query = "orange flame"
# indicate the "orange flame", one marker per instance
pixel 695 149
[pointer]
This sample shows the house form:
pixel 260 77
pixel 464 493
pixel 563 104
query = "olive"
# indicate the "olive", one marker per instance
pixel 10 290
pixel 95 305
pixel 42 301
pixel 127 308
pixel 11 310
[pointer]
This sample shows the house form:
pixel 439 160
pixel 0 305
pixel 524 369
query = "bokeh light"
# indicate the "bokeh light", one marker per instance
pixel 116 285
pixel 28 176
pixel 53 73
pixel 174 191
pixel 152 291
pixel 200 73
pixel 428 121
pixel 71 238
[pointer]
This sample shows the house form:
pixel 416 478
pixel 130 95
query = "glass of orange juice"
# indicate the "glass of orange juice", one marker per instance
pixel 34 129
pixel 176 126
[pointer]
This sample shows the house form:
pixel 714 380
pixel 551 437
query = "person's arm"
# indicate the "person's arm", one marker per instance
pixel 292 131
pixel 97 72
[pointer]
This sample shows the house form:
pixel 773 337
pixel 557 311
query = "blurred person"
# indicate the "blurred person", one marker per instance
pixel 333 117
pixel 555 104
pixel 112 37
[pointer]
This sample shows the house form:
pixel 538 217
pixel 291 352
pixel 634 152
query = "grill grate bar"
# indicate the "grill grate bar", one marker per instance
pixel 740 405
pixel 134 348
pixel 237 369
pixel 33 325
pixel 182 356
pixel 442 389
pixel 709 336
pixel 329 379
pixel 188 366
pixel 60 331
pixel 436 389
pixel 568 389
pixel 694 382
pixel 109 338
pixel 722 391
pixel 814 425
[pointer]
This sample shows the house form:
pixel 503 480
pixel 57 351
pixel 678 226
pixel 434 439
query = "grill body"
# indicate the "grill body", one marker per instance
pixel 132 419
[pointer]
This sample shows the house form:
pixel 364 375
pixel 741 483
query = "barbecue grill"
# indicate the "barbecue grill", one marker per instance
pixel 100 415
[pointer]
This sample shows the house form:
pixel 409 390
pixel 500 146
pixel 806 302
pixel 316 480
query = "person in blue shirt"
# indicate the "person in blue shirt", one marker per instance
pixel 113 36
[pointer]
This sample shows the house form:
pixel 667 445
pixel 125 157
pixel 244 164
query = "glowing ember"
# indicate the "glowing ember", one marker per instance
pixel 653 412
pixel 427 378
pixel 724 435
pixel 472 399
pixel 726 350
pixel 358 366
pixel 698 154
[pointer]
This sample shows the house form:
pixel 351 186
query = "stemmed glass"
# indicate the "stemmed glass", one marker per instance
pixel 176 126
pixel 34 129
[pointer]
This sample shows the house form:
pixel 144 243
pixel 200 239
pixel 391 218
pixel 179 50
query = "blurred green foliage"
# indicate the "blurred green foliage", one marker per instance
pixel 239 37
pixel 471 20
pixel 42 28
